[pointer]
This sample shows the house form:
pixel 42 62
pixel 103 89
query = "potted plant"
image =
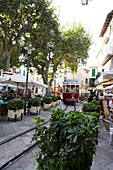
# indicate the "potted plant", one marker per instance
pixel 35 105
pixel 47 102
pixel 54 101
pixel 58 99
pixel 20 106
pixel 15 108
pixel 74 136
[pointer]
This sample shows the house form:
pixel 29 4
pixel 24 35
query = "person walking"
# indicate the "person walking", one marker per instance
pixel 1 101
pixel 101 96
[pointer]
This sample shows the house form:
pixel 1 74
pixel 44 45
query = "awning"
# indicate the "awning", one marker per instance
pixel 107 74
pixel 37 84
pixel 20 80
pixel 99 87
pixel 108 89
pixel 104 77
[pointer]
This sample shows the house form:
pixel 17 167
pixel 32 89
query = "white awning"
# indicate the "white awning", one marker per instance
pixel 20 80
pixel 107 74
pixel 108 89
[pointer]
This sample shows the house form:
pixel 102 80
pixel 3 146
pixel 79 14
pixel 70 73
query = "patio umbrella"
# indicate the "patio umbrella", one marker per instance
pixel 38 84
pixel 20 80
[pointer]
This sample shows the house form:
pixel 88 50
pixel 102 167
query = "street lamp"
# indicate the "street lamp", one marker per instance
pixel 29 49
pixel 54 85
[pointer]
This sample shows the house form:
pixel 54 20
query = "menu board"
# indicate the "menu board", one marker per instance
pixel 106 107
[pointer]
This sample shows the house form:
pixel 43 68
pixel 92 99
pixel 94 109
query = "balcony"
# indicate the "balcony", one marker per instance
pixel 106 76
pixel 108 53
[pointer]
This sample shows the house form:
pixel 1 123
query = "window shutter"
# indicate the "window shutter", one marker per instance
pixel 93 72
pixel 23 72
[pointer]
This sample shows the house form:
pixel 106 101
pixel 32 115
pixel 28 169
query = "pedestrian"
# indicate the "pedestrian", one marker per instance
pixel 101 96
pixel 90 98
pixel 1 101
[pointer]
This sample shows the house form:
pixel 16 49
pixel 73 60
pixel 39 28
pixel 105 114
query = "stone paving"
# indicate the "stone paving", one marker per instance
pixel 103 160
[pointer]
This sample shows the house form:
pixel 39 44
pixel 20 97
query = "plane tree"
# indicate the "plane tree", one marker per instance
pixel 25 22
pixel 73 49
pixel 17 19
pixel 85 2
pixel 44 38
pixel 78 44
pixel 70 45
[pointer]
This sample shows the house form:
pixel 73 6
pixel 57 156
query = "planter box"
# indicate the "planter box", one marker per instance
pixel 19 112
pixel 35 109
pixel 47 106
pixel 38 109
pixel 58 101
pixel 14 115
pixel 22 111
pixel 54 104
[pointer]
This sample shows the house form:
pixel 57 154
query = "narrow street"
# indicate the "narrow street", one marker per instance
pixel 102 159
pixel 16 146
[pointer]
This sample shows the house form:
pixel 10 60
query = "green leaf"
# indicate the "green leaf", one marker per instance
pixel 75 139
pixel 71 131
pixel 70 136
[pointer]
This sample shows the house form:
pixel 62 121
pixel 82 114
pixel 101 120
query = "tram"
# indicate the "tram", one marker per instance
pixel 71 92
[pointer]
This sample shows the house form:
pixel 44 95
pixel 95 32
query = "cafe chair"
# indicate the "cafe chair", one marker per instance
pixel 109 129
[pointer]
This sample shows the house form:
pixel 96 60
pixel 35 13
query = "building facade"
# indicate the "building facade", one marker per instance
pixel 105 55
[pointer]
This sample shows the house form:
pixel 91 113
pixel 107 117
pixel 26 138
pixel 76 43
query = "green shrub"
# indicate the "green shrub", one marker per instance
pixel 58 97
pixel 48 100
pixel 15 104
pixel 93 106
pixel 68 143
pixel 35 101
pixel 20 104
pixel 29 100
pixel 54 98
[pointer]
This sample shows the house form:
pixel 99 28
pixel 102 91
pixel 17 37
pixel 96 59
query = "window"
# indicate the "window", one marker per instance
pixel 77 88
pixel 67 88
pixel 72 88
pixel 86 80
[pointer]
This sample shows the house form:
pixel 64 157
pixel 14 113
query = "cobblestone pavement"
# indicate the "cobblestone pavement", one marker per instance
pixel 103 160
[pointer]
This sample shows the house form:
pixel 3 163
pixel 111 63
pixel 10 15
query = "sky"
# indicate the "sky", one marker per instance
pixel 91 16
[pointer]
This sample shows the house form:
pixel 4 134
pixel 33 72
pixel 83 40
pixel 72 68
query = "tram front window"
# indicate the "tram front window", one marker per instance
pixel 72 88
pixel 67 88
pixel 77 88
pixel 63 88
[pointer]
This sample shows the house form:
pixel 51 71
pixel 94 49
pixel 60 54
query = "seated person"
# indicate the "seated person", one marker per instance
pixel 72 90
pixel 1 101
pixel 67 90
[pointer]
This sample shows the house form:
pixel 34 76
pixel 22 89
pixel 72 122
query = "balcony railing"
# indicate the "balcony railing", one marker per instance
pixel 108 51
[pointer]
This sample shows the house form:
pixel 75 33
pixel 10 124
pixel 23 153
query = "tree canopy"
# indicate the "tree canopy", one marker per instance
pixel 70 45
pixel 17 18
pixel 30 22
pixel 85 2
